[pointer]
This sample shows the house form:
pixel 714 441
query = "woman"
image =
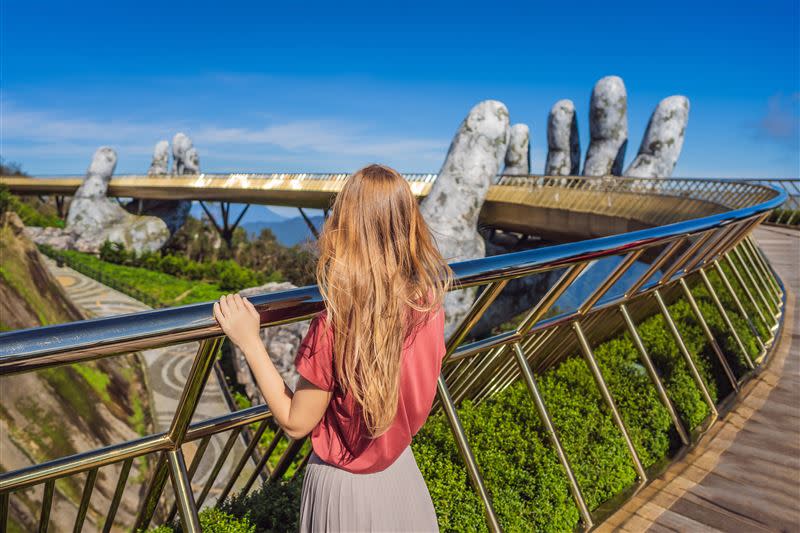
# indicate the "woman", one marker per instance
pixel 369 363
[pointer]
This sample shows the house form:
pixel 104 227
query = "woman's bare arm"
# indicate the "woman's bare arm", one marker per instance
pixel 297 413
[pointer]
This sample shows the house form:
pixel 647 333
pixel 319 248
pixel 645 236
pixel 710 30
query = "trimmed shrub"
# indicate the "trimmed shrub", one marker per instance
pixel 274 507
pixel 213 520
pixel 227 274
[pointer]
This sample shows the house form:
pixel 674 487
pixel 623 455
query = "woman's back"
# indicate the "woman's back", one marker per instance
pixel 341 438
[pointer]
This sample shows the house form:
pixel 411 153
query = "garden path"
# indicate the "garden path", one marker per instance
pixel 166 371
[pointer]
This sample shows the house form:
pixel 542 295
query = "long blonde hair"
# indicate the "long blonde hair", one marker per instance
pixel 380 275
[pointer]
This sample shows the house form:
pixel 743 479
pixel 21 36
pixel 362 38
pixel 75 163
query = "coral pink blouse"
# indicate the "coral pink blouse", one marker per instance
pixel 341 438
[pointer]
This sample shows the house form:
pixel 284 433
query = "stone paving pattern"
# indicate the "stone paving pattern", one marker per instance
pixel 166 369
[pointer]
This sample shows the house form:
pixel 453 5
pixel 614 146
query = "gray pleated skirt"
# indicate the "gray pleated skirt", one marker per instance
pixel 395 499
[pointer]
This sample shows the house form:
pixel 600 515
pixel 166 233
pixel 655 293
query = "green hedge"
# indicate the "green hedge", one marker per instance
pixel 520 468
pixel 227 274
pixel 153 288
pixel 27 211
pixel 213 520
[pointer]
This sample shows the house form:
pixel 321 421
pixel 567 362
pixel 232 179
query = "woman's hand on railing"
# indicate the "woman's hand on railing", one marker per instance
pixel 239 320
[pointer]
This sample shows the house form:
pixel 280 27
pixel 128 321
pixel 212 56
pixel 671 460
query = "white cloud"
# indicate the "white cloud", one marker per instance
pixel 30 136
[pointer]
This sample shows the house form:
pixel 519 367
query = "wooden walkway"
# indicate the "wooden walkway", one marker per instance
pixel 745 474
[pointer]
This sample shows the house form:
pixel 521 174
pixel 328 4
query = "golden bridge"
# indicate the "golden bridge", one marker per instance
pixel 666 238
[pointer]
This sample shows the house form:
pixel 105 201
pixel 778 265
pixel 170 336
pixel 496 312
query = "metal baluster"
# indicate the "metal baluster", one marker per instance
pixel 195 383
pixel 685 257
pixel 760 259
pixel 47 502
pixel 710 251
pixel 218 465
pixel 765 273
pixel 88 487
pixel 544 416
pixel 709 335
pixel 662 258
pixel 198 456
pixel 4 501
pixel 153 493
pixel 610 280
pixel 550 297
pixel 183 491
pixel 758 287
pixel 112 510
pixel 302 465
pixel 739 306
pixel 726 318
pixel 686 355
pixel 475 313
pixel 243 460
pixel 467 455
pixel 263 462
pixel 644 357
pixel 606 394
pixel 286 459
pixel 755 259
pixel 748 293
pixel 463 388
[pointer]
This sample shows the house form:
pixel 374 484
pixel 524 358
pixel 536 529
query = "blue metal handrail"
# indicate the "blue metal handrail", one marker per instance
pixel 42 347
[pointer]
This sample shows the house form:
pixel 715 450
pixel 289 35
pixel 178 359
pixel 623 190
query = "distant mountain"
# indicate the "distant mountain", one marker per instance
pixel 288 231
pixel 256 213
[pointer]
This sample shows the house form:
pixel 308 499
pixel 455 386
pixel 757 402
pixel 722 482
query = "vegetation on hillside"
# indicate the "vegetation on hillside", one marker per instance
pixel 198 241
pixel 75 407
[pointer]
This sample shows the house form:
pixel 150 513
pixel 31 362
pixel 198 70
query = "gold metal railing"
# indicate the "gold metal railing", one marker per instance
pixel 788 213
pixel 474 368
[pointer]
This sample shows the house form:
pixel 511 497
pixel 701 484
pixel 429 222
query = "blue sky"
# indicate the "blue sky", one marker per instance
pixel 291 86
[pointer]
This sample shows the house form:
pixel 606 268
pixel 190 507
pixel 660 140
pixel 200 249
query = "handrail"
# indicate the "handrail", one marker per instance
pixel 473 369
pixel 42 347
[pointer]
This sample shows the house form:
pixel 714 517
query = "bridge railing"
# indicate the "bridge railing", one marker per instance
pixel 788 213
pixel 649 268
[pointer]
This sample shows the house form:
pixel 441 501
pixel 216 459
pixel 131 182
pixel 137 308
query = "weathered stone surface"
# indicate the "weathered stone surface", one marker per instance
pixel 160 164
pixel 181 144
pixel 191 162
pixel 452 207
pixel 518 153
pixel 93 218
pixel 663 140
pixel 58 238
pixel 281 342
pixel 185 161
pixel 608 127
pixel 563 144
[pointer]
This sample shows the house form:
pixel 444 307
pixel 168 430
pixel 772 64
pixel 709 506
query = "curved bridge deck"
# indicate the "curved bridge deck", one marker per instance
pixel 745 476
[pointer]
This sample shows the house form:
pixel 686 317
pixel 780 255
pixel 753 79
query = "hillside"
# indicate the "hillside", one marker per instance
pixel 64 410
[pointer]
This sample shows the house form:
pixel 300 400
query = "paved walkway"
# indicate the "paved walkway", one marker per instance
pixel 166 368
pixel 745 475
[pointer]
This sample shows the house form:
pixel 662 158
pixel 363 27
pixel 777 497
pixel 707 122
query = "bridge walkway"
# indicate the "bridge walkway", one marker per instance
pixel 745 475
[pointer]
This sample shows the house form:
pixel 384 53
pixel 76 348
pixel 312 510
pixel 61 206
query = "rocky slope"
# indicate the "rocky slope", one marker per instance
pixel 65 410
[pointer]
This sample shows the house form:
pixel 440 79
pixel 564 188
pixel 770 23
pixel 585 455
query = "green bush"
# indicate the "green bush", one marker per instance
pixel 227 274
pixel 28 213
pixel 213 520
pixel 274 507
pixel 529 489
pixel 158 288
